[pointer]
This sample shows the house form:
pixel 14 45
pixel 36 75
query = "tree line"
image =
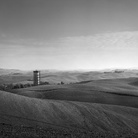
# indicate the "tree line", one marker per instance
pixel 20 85
pixel 14 86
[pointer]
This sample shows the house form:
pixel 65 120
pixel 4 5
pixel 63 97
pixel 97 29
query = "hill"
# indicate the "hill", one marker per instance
pixel 106 91
pixel 21 110
pixel 54 77
pixel 9 71
pixel 92 102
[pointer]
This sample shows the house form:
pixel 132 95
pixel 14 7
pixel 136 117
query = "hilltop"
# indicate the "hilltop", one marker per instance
pixel 55 76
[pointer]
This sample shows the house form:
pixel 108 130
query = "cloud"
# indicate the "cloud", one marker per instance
pixel 71 46
pixel 119 40
pixel 78 46
pixel 110 50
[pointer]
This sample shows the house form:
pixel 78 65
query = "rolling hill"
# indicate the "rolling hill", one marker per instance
pixel 96 102
pixel 54 77
pixel 106 91
pixel 21 110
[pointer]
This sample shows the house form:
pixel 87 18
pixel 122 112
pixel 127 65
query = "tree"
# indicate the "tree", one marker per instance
pixel 62 82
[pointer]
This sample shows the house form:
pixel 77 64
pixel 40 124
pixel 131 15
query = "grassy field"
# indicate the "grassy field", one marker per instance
pixel 23 110
pixel 97 108
pixel 106 91
pixel 8 130
pixel 54 77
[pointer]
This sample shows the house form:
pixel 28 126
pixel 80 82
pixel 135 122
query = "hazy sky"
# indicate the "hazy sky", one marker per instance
pixel 68 34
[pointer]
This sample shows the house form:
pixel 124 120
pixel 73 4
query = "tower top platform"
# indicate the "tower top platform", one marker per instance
pixel 36 71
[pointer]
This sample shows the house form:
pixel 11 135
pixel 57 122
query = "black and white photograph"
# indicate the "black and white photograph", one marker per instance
pixel 68 68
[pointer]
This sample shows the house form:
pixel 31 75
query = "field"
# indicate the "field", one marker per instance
pixel 106 91
pixel 98 104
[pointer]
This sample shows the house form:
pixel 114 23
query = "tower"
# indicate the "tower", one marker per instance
pixel 36 77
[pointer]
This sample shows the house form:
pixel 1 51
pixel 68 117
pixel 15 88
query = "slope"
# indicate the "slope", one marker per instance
pixel 16 109
pixel 106 91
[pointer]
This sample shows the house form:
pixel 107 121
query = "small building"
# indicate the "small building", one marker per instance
pixel 36 78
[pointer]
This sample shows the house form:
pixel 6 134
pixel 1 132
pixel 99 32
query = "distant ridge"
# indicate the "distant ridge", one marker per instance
pixel 56 76
pixel 9 71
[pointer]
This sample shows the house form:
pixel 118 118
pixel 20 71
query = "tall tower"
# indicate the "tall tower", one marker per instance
pixel 36 77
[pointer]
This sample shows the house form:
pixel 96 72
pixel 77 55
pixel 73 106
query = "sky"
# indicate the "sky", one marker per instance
pixel 68 34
